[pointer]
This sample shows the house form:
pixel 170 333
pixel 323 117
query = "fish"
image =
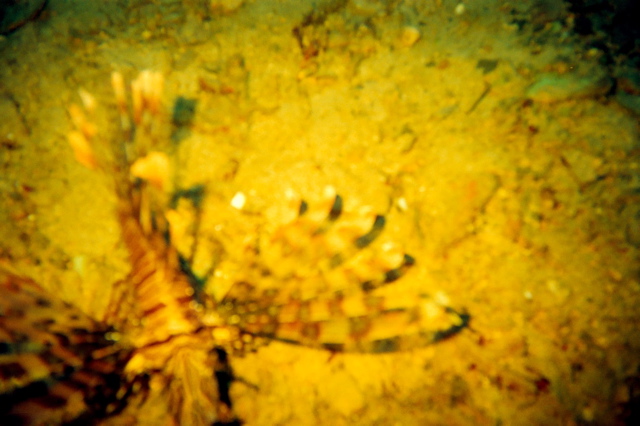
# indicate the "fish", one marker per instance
pixel 57 363
pixel 322 277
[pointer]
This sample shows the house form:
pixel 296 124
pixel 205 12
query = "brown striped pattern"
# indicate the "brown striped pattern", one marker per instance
pixel 355 323
pixel 53 358
pixel 162 293
pixel 320 280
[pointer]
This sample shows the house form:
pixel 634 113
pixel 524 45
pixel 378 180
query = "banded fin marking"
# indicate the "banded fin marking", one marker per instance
pixel 57 364
pixel 390 275
pixel 360 322
pixel 369 237
pixel 326 248
pixel 159 314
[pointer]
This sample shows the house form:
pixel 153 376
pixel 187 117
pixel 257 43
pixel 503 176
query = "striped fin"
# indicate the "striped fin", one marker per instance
pixel 328 248
pixel 163 295
pixel 56 363
pixel 155 305
pixel 365 322
pixel 197 393
pixel 136 157
pixel 143 180
pixel 321 280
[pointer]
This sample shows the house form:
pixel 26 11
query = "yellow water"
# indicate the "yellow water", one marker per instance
pixel 522 213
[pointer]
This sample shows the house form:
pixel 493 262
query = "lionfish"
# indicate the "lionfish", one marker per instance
pixel 168 333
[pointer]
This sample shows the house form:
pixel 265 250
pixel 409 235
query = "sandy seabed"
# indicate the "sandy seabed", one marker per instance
pixel 518 200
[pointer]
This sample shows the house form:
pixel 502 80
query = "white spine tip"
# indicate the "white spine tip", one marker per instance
pixel 238 201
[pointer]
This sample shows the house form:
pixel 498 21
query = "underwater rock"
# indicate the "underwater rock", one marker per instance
pixel 12 126
pixel 15 13
pixel 226 6
pixel 628 89
pixel 550 88
pixel 409 36
pixel 583 166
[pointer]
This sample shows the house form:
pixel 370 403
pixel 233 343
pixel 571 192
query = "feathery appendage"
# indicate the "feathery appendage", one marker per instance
pixel 323 277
